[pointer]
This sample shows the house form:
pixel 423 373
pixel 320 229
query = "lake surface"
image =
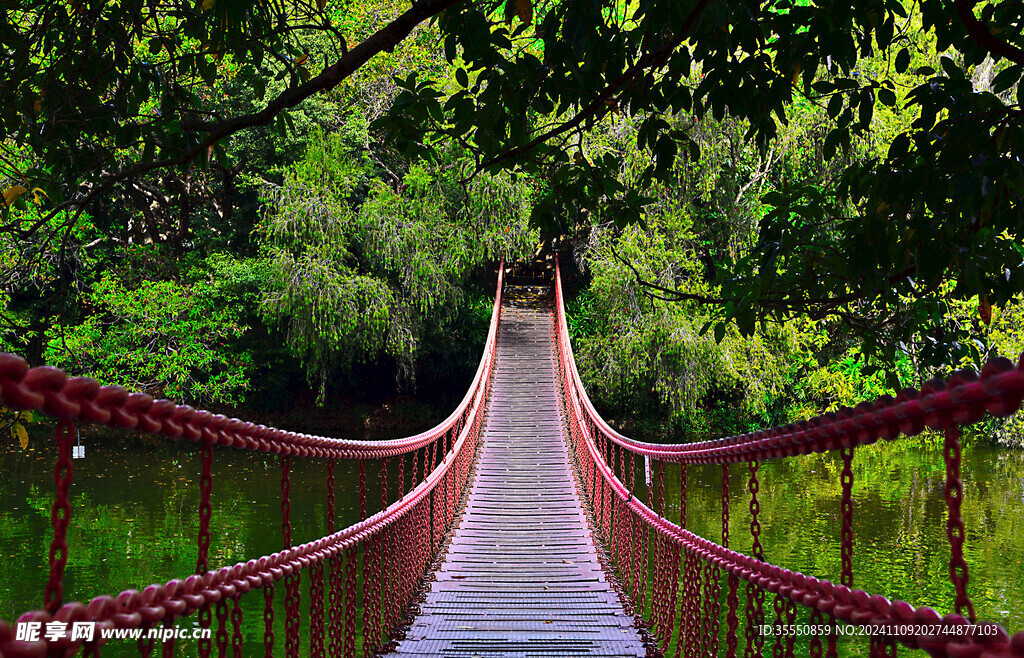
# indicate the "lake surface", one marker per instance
pixel 135 522
pixel 900 544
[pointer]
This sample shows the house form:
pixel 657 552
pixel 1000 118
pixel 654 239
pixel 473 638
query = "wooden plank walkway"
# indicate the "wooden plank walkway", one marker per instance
pixel 521 577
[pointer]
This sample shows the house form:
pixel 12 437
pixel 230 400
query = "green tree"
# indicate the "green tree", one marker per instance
pixel 367 260
pixel 936 201
pixel 156 336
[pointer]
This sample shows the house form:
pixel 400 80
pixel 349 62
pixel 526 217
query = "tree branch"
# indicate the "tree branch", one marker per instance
pixel 604 99
pixel 979 32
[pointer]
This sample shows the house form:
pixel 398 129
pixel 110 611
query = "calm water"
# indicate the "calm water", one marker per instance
pixel 135 521
pixel 900 544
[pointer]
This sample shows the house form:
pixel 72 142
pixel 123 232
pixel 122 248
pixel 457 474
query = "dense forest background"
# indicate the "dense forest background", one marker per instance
pixel 321 258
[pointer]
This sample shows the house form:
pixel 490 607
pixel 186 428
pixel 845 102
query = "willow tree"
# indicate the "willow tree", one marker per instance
pixel 99 92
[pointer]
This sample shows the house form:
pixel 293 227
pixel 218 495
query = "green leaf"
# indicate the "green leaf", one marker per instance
pixel 952 70
pixel 21 434
pixel 461 77
pixel 902 61
pixel 1006 79
pixel 835 105
pixel 830 145
pixel 719 332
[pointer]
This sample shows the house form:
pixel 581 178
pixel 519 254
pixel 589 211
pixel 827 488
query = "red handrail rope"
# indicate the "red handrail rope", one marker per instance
pixel 50 390
pixel 963 399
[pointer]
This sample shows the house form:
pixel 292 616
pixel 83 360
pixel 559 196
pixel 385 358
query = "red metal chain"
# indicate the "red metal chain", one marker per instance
pixel 316 610
pixel 682 633
pixel 779 607
pixel 755 508
pixel 815 621
pixel 643 564
pixel 731 619
pixel 362 489
pixel 291 580
pixel 268 620
pixel 401 476
pixel 387 581
pixel 334 581
pixel 371 597
pixel 955 524
pixel 846 539
pixel 169 643
pixel 682 495
pixel 725 505
pixel 145 644
pixel 60 515
pixel 286 504
pixel 713 576
pixel 351 559
pixel 222 627
pixel 236 628
pixel 205 514
pixel 755 595
pixel 831 650
pixel 790 609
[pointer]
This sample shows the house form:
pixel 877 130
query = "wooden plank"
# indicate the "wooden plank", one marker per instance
pixel 521 576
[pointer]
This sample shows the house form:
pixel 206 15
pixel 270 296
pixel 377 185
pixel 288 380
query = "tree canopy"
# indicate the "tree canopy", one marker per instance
pixel 853 161
pixel 91 80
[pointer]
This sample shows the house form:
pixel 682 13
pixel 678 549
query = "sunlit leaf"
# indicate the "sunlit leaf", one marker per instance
pixel 13 193
pixel 19 431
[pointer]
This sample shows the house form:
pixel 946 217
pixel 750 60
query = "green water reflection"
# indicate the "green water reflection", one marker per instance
pixel 900 544
pixel 135 519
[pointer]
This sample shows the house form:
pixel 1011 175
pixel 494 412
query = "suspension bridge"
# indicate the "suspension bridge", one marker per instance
pixel 519 527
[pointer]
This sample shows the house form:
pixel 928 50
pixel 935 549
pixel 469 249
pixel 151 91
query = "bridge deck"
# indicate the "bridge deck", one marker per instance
pixel 521 577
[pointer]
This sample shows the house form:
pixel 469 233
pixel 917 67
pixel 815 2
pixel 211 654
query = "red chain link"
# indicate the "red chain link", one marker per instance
pixel 146 643
pixel 334 579
pixel 779 606
pixel 351 566
pixel 316 610
pixel 725 505
pixel 790 608
pixel 955 524
pixel 731 619
pixel 268 620
pixel 236 628
pixel 815 640
pixel 846 537
pixel 755 595
pixel 371 596
pixel 291 580
pixel 755 508
pixel 682 495
pixel 205 514
pixel 60 515
pixel 169 643
pixel 362 489
pixel 222 627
